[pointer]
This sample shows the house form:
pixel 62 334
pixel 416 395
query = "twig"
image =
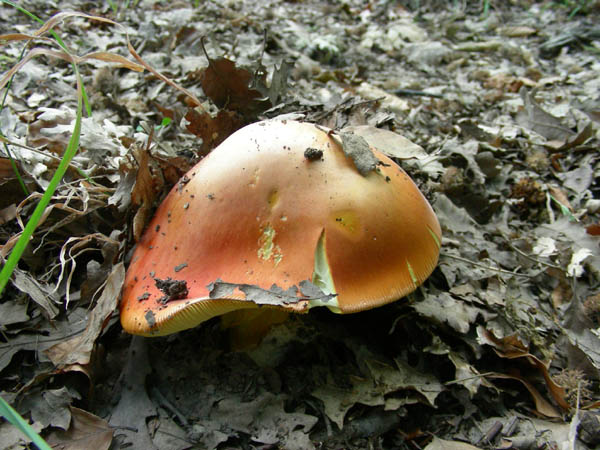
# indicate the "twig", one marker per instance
pixel 489 437
pixel 412 92
pixel 42 341
pixel 495 269
pixel 531 258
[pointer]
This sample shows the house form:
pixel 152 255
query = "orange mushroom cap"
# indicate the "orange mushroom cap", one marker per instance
pixel 277 206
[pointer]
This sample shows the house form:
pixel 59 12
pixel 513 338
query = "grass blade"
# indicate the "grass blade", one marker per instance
pixel 70 152
pixel 15 418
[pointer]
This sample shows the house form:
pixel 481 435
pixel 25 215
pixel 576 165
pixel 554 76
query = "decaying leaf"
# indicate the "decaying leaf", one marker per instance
pixel 42 337
pixel 265 420
pixel 78 349
pixel 148 184
pixel 49 408
pixel 392 144
pixel 535 118
pixel 541 404
pixel 511 347
pixel 279 82
pixel 167 434
pixel 229 88
pixel 511 265
pixel 44 296
pixel 382 385
pixel 44 131
pixel 212 130
pixel 13 312
pixel 86 431
pixel 445 309
pixel 441 444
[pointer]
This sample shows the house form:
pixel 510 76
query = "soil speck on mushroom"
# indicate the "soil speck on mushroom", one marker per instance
pixel 313 154
pixel 182 182
pixel 149 316
pixel 179 267
pixel 173 289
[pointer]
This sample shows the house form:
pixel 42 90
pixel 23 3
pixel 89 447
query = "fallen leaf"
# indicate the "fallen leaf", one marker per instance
pixel 86 431
pixel 265 420
pixel 511 347
pixel 43 295
pixel 41 335
pixel 392 144
pixel 541 404
pixel 535 118
pixel 78 350
pixel 441 444
pixel 229 88
pixel 49 408
pixel 148 184
pixel 279 83
pixel 212 130
pixel 517 31
pixel 45 131
pixel 378 387
pixel 445 309
pixel 13 312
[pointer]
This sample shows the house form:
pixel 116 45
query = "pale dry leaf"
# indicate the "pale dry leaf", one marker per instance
pixel 78 349
pixel 575 267
pixel 534 117
pixel 338 401
pixel 397 146
pixel 13 312
pixel 46 335
pixel 446 309
pixel 49 408
pixel 441 444
pixel 264 419
pixel 39 293
pixel 392 144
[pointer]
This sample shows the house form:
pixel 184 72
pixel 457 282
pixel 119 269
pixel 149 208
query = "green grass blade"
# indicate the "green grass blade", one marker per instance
pixel 13 164
pixel 15 418
pixel 70 151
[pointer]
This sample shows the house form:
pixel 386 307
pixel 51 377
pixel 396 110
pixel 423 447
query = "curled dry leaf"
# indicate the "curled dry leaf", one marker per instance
pixel 541 404
pixel 511 347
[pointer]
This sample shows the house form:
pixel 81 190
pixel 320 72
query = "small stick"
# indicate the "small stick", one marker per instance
pixel 412 92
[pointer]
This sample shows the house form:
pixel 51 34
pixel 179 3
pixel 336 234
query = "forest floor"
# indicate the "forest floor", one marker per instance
pixel 499 348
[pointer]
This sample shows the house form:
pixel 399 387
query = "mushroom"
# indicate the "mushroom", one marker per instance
pixel 279 216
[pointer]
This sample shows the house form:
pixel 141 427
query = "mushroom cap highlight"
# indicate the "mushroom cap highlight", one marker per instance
pixel 279 204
